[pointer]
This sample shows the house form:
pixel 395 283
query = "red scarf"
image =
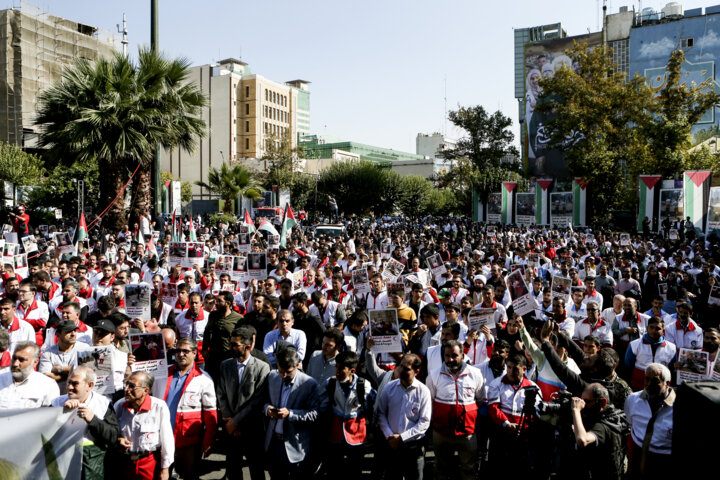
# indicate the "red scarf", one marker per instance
pixel 86 292
pixel 32 307
pixel 5 360
pixel 637 318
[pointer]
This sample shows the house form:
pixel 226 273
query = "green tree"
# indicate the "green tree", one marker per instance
pixel 59 190
pixel 415 190
pixel 485 154
pixel 359 188
pixel 612 128
pixel 115 112
pixel 283 168
pixel 185 186
pixel 230 182
pixel 19 167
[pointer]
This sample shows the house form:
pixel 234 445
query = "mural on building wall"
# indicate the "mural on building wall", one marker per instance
pixel 542 60
pixel 699 38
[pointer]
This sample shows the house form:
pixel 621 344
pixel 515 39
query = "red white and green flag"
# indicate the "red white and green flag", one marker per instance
pixel 507 202
pixel 696 184
pixel 268 227
pixel 542 193
pixel 81 232
pixel 151 248
pixel 289 221
pixel 193 235
pixel 580 200
pixel 249 221
pixel 646 204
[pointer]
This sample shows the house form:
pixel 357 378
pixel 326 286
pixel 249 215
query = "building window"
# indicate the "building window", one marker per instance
pixel 247 144
pixel 266 94
pixel 687 42
pixel 247 126
pixel 247 109
pixel 247 92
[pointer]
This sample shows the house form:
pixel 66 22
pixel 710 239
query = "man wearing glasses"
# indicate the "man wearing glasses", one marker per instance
pixel 190 397
pixel 146 434
pixel 594 326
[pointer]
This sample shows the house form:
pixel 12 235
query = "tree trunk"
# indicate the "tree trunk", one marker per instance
pixel 140 195
pixel 112 181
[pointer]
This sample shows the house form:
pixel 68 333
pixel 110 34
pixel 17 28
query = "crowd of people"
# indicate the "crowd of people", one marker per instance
pixel 281 371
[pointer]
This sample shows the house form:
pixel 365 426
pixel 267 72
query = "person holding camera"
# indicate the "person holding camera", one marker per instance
pixel 600 431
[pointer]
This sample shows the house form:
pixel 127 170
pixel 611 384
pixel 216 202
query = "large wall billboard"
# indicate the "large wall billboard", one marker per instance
pixel 542 60
pixel 699 38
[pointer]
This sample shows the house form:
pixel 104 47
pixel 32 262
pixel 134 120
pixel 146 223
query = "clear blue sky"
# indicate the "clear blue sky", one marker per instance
pixel 377 67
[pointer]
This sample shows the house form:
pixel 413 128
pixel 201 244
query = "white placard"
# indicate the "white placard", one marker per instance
pixel 100 360
pixel 137 301
pixel 385 330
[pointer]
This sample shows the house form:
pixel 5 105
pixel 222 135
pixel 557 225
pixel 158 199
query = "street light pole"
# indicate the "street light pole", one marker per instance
pixel 155 47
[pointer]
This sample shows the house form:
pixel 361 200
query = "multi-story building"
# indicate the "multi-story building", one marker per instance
pixel 245 112
pixel 35 46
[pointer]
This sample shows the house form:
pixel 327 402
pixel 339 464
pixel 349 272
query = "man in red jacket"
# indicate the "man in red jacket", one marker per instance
pixel 190 395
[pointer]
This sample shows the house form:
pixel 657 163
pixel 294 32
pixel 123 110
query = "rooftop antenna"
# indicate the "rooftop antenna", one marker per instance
pixel 124 35
pixel 445 116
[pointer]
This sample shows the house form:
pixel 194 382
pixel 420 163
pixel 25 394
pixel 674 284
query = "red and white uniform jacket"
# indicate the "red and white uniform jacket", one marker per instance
pixel 53 292
pixel 602 331
pixel 196 417
pixel 349 419
pixel 103 287
pixel 505 400
pixel 593 296
pixel 623 321
pixel 690 337
pixel 189 327
pixel 455 399
pixel 20 331
pixel 36 314
pixel 328 315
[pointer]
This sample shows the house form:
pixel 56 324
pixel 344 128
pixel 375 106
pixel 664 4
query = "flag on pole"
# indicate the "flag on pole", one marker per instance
pixel 507 202
pixel 249 221
pixel 268 227
pixel 288 223
pixel 174 232
pixel 139 237
pixel 696 185
pixel 193 235
pixel 646 191
pixel 151 249
pixel 81 232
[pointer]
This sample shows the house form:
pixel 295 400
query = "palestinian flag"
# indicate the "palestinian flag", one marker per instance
pixel 580 200
pixel 81 232
pixel 151 248
pixel 507 202
pixel 288 223
pixel 139 237
pixel 696 185
pixel 249 221
pixel 647 191
pixel 193 235
pixel 268 227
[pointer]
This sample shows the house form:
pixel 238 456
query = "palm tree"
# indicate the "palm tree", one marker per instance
pixel 115 112
pixel 231 182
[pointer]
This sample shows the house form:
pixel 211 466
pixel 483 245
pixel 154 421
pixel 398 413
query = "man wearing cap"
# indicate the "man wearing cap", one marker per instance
pixel 19 330
pixel 104 336
pixel 57 361
pixel 70 311
pixel 21 222
pixel 96 410
pixel 22 386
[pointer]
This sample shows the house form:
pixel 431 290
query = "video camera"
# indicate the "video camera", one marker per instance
pixel 557 408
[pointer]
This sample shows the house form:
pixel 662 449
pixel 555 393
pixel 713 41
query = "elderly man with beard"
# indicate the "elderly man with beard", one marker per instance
pixel 22 386
pixel 97 411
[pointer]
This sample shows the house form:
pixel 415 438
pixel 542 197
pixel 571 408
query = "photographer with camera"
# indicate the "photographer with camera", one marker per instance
pixel 21 222
pixel 600 431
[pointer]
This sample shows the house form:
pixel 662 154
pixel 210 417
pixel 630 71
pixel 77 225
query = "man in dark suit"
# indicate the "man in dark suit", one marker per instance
pixel 241 392
pixel 294 402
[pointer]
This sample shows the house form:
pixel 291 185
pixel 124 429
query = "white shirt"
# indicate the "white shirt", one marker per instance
pixel 405 411
pixel 37 390
pixel 295 337
pixel 148 429
pixel 241 368
pixel 52 357
pixel 20 331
